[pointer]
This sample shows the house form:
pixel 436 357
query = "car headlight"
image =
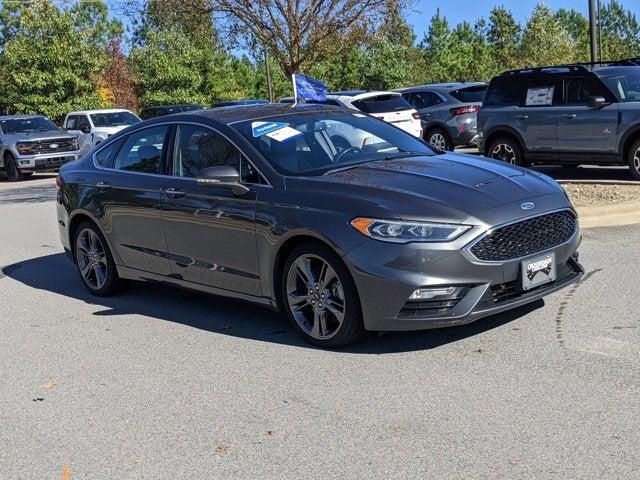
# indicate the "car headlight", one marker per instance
pixel 405 232
pixel 24 148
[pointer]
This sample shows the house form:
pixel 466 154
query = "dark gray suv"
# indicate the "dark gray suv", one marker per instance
pixel 448 112
pixel 567 115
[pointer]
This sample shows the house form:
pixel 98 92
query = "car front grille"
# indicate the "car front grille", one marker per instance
pixel 55 145
pixel 526 237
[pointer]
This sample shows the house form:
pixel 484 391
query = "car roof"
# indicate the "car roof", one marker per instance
pixel 103 110
pixel 242 113
pixel 617 70
pixel 173 105
pixel 348 93
pixel 17 117
pixel 442 86
pixel 363 95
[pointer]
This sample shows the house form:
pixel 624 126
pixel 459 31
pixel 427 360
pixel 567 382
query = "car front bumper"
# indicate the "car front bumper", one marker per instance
pixel 45 162
pixel 387 274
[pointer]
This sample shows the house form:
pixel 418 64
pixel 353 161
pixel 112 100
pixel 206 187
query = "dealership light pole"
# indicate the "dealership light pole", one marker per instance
pixel 593 32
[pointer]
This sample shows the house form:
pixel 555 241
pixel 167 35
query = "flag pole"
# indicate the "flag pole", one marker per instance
pixel 295 90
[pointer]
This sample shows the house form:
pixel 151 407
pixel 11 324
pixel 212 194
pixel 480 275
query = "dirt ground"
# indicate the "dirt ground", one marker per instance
pixel 583 195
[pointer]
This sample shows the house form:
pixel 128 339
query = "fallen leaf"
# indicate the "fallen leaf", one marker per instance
pixel 66 473
pixel 50 386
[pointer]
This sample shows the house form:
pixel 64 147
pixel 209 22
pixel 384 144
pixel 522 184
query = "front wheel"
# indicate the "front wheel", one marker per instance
pixel 507 150
pixel 94 261
pixel 320 297
pixel 11 169
pixel 634 160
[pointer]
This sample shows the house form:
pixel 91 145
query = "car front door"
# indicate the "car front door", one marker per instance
pixel 536 117
pixel 127 197
pixel 210 231
pixel 586 133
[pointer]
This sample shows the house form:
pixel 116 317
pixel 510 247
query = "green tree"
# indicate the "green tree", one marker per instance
pixel 436 46
pixel 503 36
pixel 620 32
pixel 545 41
pixel 577 26
pixel 48 64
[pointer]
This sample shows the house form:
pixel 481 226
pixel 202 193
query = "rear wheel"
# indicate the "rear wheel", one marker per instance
pixel 320 297
pixel 634 160
pixel 439 139
pixel 11 169
pixel 95 263
pixel 508 150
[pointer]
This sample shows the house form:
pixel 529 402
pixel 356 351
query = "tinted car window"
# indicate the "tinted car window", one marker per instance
pixel 142 150
pixel 579 90
pixel 421 100
pixel 83 122
pixel 27 125
pixel 197 148
pixel 114 119
pixel 72 122
pixel 470 94
pixel 105 157
pixel 382 104
pixel 504 91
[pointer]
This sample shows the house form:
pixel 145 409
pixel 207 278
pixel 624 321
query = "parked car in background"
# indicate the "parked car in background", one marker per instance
pixel 387 106
pixel 33 143
pixel 258 203
pixel 94 126
pixel 448 112
pixel 567 115
pixel 162 110
pixel 233 103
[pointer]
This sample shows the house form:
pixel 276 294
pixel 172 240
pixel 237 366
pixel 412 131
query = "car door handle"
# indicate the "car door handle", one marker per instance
pixel 103 185
pixel 522 117
pixel 174 192
pixel 569 116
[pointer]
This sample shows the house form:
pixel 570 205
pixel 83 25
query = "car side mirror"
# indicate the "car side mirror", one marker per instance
pixel 85 129
pixel 598 102
pixel 222 176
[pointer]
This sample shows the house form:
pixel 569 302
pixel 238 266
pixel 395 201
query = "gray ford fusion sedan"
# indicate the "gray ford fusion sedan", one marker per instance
pixel 337 219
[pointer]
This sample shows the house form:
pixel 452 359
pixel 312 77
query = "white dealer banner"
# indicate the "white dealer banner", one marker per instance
pixel 541 96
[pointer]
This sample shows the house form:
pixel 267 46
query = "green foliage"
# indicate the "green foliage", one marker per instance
pixel 545 41
pixel 49 63
pixel 620 32
pixel 503 37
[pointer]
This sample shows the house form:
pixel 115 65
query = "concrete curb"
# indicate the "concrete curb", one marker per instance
pixel 598 182
pixel 609 215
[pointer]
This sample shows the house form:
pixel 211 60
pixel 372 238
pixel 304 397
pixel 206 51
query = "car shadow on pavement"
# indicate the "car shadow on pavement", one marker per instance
pixel 56 274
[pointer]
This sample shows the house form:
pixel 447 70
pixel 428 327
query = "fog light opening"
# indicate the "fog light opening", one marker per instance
pixel 426 293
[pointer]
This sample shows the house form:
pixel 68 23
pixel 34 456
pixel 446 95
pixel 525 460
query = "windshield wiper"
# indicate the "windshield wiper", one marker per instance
pixel 404 154
pixel 343 169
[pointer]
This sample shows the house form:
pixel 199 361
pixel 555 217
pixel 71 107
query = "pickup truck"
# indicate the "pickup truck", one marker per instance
pixel 33 143
pixel 94 126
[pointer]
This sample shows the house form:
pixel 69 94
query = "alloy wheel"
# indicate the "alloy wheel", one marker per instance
pixel 315 296
pixel 636 160
pixel 91 259
pixel 504 152
pixel 438 141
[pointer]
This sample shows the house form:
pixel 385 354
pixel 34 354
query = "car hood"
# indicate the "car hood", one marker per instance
pixel 448 187
pixel 47 135
pixel 108 130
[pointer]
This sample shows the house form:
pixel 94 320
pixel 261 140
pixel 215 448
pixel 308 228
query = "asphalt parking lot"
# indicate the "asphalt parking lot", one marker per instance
pixel 163 383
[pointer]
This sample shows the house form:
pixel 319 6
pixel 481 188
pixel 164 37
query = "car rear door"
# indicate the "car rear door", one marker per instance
pixel 127 193
pixel 210 231
pixel 586 133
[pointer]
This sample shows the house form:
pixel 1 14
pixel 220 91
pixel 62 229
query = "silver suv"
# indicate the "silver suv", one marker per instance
pixel 567 115
pixel 448 112
pixel 32 143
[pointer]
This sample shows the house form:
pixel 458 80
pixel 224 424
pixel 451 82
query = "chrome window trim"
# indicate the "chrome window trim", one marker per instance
pixel 170 124
pixel 466 250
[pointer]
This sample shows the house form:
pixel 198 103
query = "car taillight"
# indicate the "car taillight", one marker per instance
pixel 466 109
pixel 59 182
pixel 415 115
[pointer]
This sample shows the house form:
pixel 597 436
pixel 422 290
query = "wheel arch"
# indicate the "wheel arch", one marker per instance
pixel 76 220
pixel 627 140
pixel 503 131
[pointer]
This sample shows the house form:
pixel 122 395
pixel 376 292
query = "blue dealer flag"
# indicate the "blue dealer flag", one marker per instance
pixel 309 89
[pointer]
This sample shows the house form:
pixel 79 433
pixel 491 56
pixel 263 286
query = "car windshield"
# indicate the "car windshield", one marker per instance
pixel 313 143
pixel 625 87
pixel 27 125
pixel 113 119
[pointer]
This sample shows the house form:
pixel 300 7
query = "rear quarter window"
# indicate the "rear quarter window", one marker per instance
pixel 469 94
pixel 382 104
pixel 503 92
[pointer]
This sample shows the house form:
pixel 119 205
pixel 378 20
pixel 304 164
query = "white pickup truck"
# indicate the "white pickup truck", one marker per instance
pixel 94 126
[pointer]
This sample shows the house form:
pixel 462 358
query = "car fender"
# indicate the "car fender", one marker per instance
pixel 86 213
pixel 502 128
pixel 632 130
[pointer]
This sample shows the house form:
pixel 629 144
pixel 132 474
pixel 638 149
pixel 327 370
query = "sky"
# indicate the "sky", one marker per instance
pixel 457 11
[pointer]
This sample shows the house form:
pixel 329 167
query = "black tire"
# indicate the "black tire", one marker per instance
pixel 112 282
pixel 351 327
pixel 11 169
pixel 438 138
pixel 634 160
pixel 507 150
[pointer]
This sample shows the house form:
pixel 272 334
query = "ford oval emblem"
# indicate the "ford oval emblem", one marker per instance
pixel 53 146
pixel 528 205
